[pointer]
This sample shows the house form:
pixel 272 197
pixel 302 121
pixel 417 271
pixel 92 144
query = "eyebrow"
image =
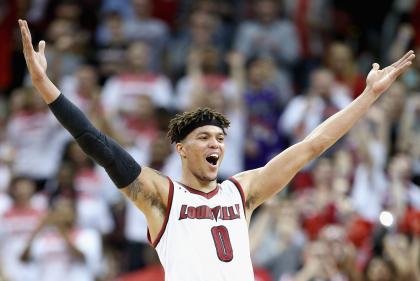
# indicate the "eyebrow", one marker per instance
pixel 207 133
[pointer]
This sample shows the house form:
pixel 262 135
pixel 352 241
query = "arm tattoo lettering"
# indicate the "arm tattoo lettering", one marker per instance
pixel 134 189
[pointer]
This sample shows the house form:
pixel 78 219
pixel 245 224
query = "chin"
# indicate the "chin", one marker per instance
pixel 207 177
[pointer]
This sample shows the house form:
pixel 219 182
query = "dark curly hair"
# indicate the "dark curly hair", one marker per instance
pixel 182 124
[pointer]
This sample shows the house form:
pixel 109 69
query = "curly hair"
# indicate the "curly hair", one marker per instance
pixel 182 124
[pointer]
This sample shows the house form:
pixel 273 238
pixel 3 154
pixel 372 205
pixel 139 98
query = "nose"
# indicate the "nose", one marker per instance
pixel 213 143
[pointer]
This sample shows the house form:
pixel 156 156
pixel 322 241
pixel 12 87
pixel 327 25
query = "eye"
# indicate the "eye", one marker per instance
pixel 203 137
pixel 221 139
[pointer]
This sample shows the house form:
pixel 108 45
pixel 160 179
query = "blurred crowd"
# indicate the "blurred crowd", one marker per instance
pixel 276 68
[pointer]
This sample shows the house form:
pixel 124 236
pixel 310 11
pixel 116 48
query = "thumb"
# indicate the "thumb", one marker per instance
pixel 375 66
pixel 41 47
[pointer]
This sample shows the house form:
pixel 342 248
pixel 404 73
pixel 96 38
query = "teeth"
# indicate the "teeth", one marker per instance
pixel 214 155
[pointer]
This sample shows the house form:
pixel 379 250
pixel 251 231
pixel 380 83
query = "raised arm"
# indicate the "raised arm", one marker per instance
pixel 148 189
pixel 262 183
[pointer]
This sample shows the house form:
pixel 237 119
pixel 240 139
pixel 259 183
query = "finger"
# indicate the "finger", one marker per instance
pixel 28 31
pixel 403 65
pixel 26 38
pixel 398 62
pixel 375 66
pixel 409 58
pixel 41 47
pixel 403 58
pixel 397 71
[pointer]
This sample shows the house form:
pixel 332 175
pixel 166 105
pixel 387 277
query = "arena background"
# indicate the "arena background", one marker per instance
pixel 276 68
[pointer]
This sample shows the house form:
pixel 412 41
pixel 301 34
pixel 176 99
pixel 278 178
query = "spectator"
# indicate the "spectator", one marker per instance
pixel 200 33
pixel 341 62
pixel 369 191
pixel 269 36
pixel 276 238
pixel 111 42
pixel 91 206
pixel 36 137
pixel 16 226
pixel 152 31
pixel 72 253
pixel 130 99
pixel 267 93
pixel 323 98
pixel 67 45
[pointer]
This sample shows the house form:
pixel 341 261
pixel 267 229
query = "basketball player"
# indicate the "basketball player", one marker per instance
pixel 199 227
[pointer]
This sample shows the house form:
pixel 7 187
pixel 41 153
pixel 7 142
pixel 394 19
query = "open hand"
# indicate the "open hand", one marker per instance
pixel 379 80
pixel 36 61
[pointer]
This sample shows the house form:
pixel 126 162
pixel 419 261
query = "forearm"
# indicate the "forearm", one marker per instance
pixel 74 251
pixel 49 92
pixel 119 165
pixel 332 129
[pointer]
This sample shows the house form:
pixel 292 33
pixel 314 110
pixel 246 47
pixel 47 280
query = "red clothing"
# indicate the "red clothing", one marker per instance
pixel 7 28
pixel 314 223
pixel 410 222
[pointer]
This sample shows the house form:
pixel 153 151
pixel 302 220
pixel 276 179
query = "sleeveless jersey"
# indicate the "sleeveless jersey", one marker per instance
pixel 205 235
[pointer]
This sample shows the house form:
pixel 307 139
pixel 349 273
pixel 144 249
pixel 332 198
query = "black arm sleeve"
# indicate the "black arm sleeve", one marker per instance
pixel 119 165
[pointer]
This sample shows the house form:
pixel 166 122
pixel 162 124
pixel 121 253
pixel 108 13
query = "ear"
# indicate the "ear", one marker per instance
pixel 180 149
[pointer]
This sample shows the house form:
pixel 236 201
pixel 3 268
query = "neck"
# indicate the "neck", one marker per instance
pixel 22 205
pixel 191 180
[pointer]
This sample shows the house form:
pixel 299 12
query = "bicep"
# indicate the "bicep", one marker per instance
pixel 276 174
pixel 148 191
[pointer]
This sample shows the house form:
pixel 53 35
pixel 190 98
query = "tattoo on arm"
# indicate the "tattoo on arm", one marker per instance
pixel 134 189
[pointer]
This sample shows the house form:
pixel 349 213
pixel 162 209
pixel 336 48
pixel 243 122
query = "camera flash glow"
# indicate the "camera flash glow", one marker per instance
pixel 386 218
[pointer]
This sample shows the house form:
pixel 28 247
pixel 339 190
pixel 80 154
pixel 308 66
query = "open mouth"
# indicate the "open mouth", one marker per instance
pixel 212 159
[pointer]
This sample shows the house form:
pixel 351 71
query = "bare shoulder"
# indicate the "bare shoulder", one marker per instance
pixel 149 190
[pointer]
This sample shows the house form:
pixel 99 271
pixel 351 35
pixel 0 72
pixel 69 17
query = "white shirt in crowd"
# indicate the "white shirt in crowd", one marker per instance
pixel 38 140
pixel 16 227
pixel 51 256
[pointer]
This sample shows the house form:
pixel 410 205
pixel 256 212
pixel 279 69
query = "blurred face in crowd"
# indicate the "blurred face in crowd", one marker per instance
pixel 260 70
pixel 68 10
pixel 87 78
pixel 335 238
pixel 138 56
pixel 114 23
pixel 340 58
pixel 22 190
pixel 142 8
pixel 323 172
pixel 266 10
pixel 62 33
pixel 202 27
pixel 322 81
pixel 64 212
